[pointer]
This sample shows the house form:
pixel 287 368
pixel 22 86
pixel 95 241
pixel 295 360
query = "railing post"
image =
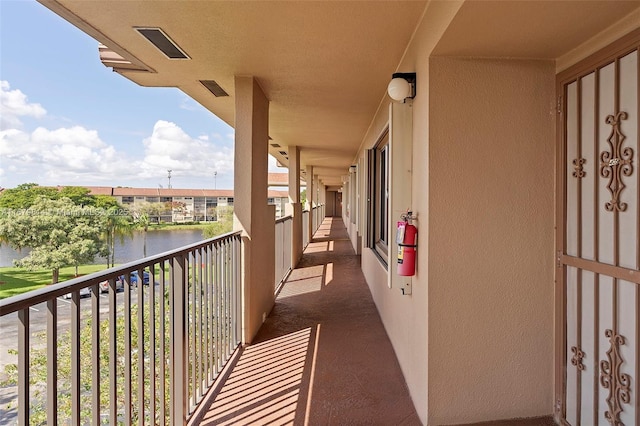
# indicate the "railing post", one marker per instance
pixel 52 361
pixel 75 358
pixel 23 366
pixel 95 355
pixel 179 379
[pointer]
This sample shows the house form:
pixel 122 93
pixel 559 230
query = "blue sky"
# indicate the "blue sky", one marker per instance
pixel 66 119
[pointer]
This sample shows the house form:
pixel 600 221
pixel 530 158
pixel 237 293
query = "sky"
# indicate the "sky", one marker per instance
pixel 66 119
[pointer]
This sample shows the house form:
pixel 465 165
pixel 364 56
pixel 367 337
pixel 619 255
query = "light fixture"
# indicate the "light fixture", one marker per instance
pixel 402 86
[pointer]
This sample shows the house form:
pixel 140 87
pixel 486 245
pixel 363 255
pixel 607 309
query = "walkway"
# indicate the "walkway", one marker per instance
pixel 322 357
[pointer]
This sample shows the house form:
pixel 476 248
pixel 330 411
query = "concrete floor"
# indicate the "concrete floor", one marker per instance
pixel 322 357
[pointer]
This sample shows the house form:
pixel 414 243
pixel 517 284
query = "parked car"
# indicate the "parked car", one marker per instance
pixel 134 278
pixel 84 292
pixel 133 281
pixel 104 285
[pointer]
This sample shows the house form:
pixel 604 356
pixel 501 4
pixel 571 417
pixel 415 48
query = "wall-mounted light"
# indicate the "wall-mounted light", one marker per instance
pixel 402 86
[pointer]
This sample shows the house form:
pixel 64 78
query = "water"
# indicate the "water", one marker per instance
pixel 130 248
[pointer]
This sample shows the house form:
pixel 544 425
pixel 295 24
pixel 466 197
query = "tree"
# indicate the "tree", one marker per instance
pixel 141 220
pixel 38 369
pixel 117 223
pixel 79 195
pixel 58 232
pixel 23 196
pixel 105 202
pixel 223 225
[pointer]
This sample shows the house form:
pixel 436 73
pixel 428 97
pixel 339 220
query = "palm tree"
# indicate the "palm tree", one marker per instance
pixel 142 221
pixel 117 225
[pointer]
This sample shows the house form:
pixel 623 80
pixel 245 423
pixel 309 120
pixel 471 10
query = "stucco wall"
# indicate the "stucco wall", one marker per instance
pixel 491 206
pixel 252 215
pixel 406 317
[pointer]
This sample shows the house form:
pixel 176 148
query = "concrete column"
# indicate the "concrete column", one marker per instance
pixel 295 209
pixel 316 199
pixel 310 188
pixel 252 215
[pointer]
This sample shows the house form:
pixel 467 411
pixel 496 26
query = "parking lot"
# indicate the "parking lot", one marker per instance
pixel 38 324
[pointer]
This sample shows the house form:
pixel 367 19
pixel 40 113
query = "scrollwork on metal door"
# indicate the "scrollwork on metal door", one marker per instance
pixel 616 163
pixel 577 358
pixel 612 378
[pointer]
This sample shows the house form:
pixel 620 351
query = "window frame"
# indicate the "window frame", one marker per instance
pixel 379 197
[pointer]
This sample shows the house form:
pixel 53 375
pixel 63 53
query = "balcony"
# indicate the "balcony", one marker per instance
pixel 322 354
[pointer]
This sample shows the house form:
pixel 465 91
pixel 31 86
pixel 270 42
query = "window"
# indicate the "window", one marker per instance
pixel 127 200
pixel 378 174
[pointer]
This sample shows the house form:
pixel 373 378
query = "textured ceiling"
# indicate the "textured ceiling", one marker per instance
pixel 528 29
pixel 324 66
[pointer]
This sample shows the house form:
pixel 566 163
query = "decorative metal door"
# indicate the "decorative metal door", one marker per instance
pixel 598 240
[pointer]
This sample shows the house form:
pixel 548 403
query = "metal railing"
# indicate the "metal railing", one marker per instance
pixel 317 216
pixel 145 352
pixel 305 229
pixel 283 246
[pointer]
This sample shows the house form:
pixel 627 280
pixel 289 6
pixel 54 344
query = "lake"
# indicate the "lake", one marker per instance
pixel 130 248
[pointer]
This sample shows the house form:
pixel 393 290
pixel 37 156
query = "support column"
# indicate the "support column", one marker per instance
pixel 310 188
pixel 295 209
pixel 252 215
pixel 316 202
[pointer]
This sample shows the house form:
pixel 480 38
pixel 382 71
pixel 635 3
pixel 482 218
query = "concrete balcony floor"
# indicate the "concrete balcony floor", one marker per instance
pixel 322 357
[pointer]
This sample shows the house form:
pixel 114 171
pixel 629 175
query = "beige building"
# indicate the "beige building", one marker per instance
pixel 185 205
pixel 514 144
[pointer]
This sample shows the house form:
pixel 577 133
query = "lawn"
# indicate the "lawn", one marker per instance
pixel 15 281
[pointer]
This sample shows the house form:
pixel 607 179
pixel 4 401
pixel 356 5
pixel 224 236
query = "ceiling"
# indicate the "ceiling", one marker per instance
pixel 324 66
pixel 539 29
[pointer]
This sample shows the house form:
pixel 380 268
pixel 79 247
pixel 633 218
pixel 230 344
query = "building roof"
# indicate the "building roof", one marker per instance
pixel 281 179
pixel 166 192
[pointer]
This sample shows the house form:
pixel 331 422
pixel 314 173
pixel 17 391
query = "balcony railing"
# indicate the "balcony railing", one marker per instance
pixel 147 351
pixel 317 216
pixel 305 228
pixel 283 245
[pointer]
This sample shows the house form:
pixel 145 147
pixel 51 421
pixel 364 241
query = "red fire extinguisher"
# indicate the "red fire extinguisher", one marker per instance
pixel 407 239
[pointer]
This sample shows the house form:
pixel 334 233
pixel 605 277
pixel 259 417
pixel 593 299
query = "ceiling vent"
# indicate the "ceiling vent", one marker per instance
pixel 214 88
pixel 275 145
pixel 159 39
pixel 283 152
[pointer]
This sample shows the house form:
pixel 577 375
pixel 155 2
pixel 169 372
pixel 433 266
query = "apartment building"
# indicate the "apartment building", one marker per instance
pixel 183 205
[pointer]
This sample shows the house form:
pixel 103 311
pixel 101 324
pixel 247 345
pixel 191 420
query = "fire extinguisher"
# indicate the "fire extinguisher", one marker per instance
pixel 407 239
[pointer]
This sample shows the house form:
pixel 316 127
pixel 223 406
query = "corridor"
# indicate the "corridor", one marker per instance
pixel 322 357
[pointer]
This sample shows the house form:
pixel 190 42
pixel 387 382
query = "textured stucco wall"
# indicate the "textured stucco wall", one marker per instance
pixel 252 215
pixel 491 191
pixel 406 317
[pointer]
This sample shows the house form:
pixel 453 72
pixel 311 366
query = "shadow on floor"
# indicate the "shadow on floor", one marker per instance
pixel 322 357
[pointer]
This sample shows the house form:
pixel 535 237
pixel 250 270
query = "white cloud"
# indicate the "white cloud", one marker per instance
pixel 13 105
pixel 58 156
pixel 170 147
pixel 77 155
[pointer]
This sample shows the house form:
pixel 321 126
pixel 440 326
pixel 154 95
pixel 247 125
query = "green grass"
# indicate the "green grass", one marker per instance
pixel 173 227
pixel 14 281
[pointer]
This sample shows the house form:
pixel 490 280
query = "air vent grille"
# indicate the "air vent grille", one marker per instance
pixel 159 39
pixel 214 88
pixel 275 145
